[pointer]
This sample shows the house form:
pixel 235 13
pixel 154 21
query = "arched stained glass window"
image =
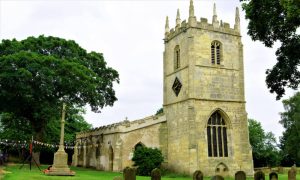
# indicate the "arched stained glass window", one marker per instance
pixel 217 136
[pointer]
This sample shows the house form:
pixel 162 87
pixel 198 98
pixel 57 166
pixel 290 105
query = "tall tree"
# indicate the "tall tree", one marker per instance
pixel 277 20
pixel 264 150
pixel 38 74
pixel 290 119
pixel 14 128
pixel 19 130
pixel 74 123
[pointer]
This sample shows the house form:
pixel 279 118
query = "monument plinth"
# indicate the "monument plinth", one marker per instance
pixel 60 163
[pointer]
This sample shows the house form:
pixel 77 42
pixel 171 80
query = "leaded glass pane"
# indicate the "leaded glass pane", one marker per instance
pixel 222 121
pixel 225 142
pixel 209 141
pixel 220 142
pixel 215 150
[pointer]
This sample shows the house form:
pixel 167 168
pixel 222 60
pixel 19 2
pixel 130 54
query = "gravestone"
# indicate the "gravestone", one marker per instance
pixel 294 168
pixel 240 175
pixel 217 177
pixel 273 176
pixel 280 170
pixel 117 178
pixel 292 174
pixel 259 175
pixel 198 175
pixel 129 173
pixel 155 174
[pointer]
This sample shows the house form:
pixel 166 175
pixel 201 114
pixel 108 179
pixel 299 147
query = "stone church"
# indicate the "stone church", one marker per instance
pixel 204 124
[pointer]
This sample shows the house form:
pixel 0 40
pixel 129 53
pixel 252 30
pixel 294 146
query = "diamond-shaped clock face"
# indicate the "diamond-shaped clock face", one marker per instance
pixel 176 86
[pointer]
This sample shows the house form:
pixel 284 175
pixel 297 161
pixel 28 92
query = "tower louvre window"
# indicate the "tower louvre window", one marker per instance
pixel 213 54
pixel 176 57
pixel 217 136
pixel 216 52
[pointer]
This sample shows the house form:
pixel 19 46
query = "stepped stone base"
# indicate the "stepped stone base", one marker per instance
pixel 60 167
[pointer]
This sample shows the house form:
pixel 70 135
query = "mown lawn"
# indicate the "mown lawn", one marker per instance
pixel 14 173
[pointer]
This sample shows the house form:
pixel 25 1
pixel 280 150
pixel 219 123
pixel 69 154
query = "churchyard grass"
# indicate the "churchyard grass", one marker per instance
pixel 14 173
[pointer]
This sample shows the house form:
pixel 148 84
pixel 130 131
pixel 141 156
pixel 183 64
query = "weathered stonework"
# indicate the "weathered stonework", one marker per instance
pixel 111 147
pixel 182 131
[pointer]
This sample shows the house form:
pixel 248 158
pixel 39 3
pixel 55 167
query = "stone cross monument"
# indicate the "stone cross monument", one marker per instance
pixel 60 163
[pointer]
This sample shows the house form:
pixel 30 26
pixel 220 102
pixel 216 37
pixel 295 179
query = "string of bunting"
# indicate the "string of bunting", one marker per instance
pixel 52 145
pixel 12 143
pixel 66 145
pixel 25 144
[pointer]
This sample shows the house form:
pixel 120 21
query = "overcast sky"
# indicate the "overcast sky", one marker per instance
pixel 129 34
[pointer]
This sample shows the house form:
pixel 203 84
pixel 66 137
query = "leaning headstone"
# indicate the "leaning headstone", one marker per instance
pixel 273 176
pixel 217 177
pixel 118 178
pixel 155 174
pixel 129 173
pixel 240 175
pixel 292 174
pixel 198 175
pixel 259 175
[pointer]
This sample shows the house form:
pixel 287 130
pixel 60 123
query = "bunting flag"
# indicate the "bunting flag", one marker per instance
pixel 26 144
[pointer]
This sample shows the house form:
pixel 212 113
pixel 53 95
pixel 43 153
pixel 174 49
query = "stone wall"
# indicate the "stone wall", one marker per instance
pixel 111 147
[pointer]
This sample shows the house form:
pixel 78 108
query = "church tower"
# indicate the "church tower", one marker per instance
pixel 204 100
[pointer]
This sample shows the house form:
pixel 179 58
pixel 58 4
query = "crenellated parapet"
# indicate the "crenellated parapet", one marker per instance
pixel 192 22
pixel 122 127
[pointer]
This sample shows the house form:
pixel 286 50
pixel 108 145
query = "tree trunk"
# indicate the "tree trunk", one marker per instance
pixel 39 136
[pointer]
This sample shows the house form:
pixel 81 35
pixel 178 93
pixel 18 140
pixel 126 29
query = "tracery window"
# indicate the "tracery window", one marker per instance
pixel 176 57
pixel 217 136
pixel 216 52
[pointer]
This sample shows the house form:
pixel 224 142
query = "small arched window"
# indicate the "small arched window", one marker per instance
pixel 217 136
pixel 176 57
pixel 138 145
pixel 216 52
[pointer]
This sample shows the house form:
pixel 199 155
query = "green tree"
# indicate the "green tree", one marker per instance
pixel 290 119
pixel 14 128
pixel 19 130
pixel 74 123
pixel 160 111
pixel 277 21
pixel 38 74
pixel 146 159
pixel 264 150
